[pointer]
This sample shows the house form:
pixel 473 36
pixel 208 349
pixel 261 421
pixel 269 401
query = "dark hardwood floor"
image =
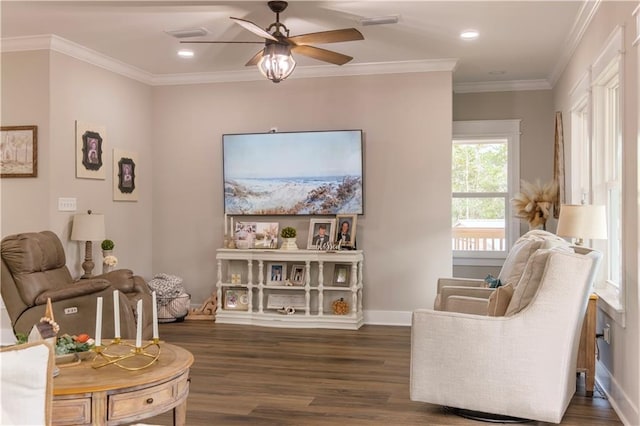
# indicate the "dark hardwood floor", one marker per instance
pixel 280 376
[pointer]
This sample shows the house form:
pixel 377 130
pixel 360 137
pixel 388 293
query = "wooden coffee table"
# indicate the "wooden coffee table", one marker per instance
pixel 110 395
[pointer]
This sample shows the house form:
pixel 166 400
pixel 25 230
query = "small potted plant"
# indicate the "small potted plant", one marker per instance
pixel 107 245
pixel 288 235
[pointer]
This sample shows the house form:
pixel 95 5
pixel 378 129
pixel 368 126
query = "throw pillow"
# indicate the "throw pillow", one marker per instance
pixel 499 301
pixel 528 285
pixel 519 254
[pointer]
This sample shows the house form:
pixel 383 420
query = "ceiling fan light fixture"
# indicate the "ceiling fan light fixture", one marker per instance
pixel 276 63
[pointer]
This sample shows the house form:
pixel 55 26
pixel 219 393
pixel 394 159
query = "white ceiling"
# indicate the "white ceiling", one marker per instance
pixel 519 40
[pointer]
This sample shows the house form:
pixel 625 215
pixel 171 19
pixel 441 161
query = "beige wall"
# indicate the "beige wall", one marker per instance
pixel 25 101
pixel 618 369
pixel 405 231
pixel 535 110
pixel 62 91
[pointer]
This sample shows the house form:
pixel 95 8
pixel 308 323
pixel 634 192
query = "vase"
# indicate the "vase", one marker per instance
pixel 289 244
pixel 106 268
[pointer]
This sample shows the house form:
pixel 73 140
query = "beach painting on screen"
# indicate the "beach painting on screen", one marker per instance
pixel 293 173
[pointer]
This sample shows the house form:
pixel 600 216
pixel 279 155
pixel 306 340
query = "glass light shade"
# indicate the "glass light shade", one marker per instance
pixel 88 227
pixel 582 222
pixel 276 63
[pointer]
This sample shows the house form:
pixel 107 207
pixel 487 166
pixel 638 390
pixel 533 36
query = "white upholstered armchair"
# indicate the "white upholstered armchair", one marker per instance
pixel 522 365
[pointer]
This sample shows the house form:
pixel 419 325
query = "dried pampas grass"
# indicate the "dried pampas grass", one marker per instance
pixel 534 202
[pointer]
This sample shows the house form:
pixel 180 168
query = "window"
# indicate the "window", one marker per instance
pixel 607 164
pixel 596 162
pixel 485 174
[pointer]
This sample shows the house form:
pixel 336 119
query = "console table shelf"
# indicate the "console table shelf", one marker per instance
pixel 246 273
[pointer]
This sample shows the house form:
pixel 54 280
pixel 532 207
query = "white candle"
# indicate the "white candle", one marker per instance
pixel 225 224
pixel 155 315
pixel 98 336
pixel 139 325
pixel 231 230
pixel 116 313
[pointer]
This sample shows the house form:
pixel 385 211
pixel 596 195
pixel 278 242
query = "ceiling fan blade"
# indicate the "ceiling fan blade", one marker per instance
pixel 335 36
pixel 255 59
pixel 235 42
pixel 248 25
pixel 322 54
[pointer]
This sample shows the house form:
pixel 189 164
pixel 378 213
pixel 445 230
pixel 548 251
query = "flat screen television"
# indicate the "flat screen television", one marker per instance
pixel 293 173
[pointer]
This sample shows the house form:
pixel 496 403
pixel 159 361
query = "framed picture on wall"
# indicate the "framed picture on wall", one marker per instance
pixel 90 151
pixel 18 151
pixel 125 175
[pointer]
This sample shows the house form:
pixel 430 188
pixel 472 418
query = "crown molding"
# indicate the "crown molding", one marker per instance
pixel 75 50
pixel 501 86
pixel 583 19
pixel 309 72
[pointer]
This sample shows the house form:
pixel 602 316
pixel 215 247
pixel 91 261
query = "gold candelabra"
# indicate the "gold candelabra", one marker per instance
pixel 126 355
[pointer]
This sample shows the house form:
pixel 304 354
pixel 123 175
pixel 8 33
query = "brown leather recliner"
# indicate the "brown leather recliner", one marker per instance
pixel 34 269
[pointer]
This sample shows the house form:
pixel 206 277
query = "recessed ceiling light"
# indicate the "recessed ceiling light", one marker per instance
pixel 185 53
pixel 469 34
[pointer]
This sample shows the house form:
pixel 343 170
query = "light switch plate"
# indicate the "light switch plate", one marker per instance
pixel 67 204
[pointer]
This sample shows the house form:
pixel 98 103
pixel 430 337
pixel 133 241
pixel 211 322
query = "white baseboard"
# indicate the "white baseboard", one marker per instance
pixel 387 317
pixel 624 407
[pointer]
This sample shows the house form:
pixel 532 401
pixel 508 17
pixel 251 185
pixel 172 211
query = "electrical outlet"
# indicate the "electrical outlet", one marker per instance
pixel 607 333
pixel 67 204
pixel 72 310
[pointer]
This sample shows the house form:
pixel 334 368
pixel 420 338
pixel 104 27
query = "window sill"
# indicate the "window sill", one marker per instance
pixel 478 261
pixel 609 302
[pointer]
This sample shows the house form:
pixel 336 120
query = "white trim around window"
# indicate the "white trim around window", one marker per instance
pixel 494 129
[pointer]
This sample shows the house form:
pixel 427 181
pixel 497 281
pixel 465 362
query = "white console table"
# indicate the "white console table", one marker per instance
pixel 245 274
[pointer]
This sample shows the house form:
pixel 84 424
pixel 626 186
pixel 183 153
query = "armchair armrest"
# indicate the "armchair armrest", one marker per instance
pixel 467 305
pixel 438 304
pixel 80 288
pixel 460 282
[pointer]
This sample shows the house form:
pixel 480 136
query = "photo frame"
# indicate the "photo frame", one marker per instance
pixel 321 232
pixel 90 151
pixel 236 299
pixel 297 275
pixel 276 273
pixel 256 235
pixel 346 230
pixel 341 274
pixel 18 151
pixel 125 175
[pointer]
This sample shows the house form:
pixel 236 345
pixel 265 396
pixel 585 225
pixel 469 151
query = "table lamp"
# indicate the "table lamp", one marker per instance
pixel 88 227
pixel 584 221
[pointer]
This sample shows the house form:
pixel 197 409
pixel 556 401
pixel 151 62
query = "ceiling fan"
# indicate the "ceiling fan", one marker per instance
pixel 275 60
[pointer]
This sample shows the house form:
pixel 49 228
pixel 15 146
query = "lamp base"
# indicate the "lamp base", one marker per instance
pixel 88 264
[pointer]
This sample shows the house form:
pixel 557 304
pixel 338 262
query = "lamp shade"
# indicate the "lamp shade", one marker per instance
pixel 276 63
pixel 582 221
pixel 88 227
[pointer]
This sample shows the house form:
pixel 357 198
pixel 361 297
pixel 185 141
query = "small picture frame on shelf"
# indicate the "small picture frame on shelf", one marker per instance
pixel 276 273
pixel 341 274
pixel 297 275
pixel 321 233
pixel 236 299
pixel 346 230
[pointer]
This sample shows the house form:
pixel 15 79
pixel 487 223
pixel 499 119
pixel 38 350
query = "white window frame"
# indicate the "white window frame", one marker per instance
pixel 596 162
pixel 493 129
